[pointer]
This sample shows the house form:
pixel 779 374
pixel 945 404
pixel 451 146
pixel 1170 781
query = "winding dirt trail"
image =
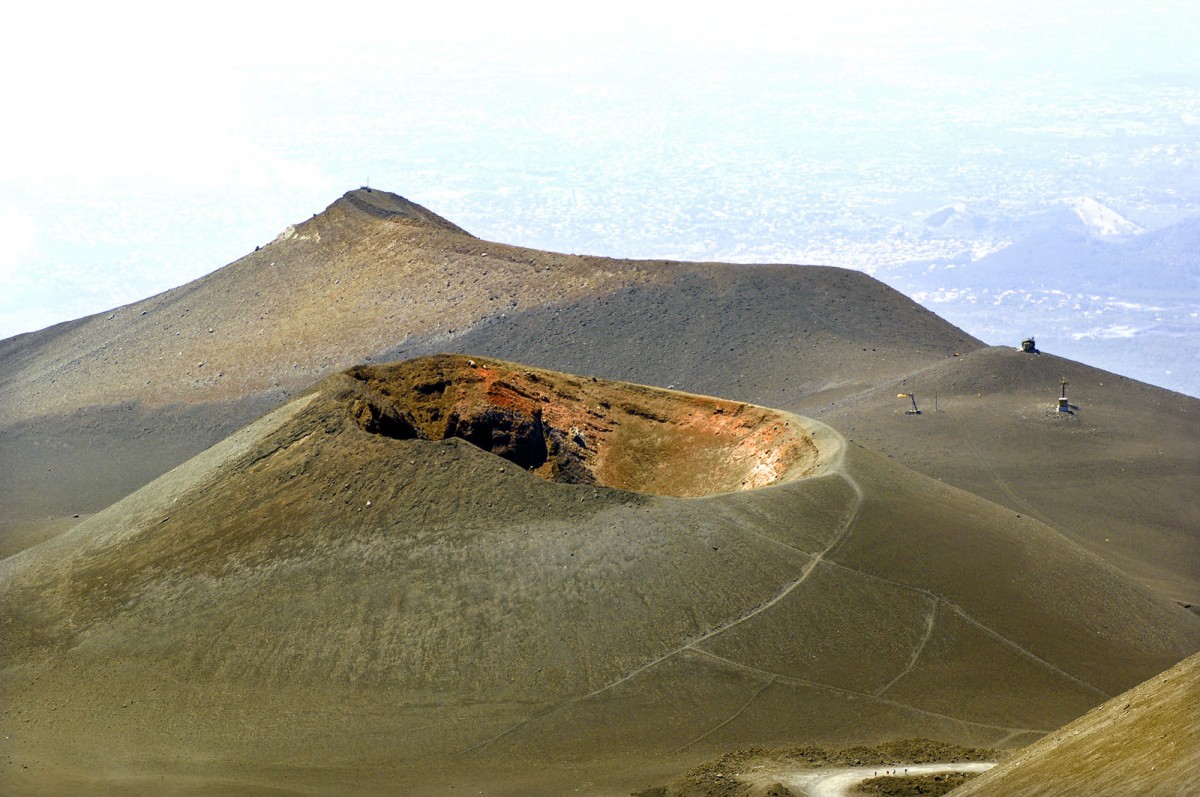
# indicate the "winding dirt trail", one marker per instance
pixel 836 465
pixel 840 782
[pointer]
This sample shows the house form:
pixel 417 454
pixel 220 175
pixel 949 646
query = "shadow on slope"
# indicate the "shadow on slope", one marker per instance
pixel 765 334
pixel 376 278
pixel 54 468
pixel 311 606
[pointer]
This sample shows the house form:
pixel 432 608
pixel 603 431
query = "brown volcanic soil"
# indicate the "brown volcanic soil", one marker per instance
pixel 751 773
pixel 314 606
pixel 1141 742
pixel 983 623
pixel 364 275
pixel 1117 477
pixel 582 431
pixel 357 281
pixel 92 409
pixel 374 278
pixel 915 785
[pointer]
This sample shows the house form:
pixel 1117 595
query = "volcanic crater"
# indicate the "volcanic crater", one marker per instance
pixel 576 430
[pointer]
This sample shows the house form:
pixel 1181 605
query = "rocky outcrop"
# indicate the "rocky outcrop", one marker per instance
pixel 582 431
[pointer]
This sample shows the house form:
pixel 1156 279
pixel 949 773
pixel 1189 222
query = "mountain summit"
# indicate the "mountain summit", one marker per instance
pixel 1099 219
pixel 386 205
pixel 137 390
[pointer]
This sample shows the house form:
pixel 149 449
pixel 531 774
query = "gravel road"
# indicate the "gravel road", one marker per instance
pixel 838 782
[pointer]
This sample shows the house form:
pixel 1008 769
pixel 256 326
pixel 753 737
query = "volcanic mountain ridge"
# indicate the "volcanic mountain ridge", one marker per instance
pixel 403 613
pixel 93 409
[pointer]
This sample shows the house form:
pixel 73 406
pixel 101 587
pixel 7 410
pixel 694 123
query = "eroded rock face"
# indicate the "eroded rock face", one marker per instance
pixel 578 430
pixel 518 437
pixel 383 420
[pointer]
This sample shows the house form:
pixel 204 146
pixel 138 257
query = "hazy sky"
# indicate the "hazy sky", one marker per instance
pixel 147 144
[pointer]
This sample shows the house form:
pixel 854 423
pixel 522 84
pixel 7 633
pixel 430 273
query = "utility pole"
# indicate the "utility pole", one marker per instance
pixel 913 397
pixel 1063 404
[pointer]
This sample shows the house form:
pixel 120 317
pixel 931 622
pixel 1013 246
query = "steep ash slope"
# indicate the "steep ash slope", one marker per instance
pixel 336 601
pixel 1117 475
pixel 93 409
pixel 353 282
pixel 1141 742
pixel 771 334
pixel 375 277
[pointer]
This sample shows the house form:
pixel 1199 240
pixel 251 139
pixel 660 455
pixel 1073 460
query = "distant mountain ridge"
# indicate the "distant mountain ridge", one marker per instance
pixel 1160 263
pixel 1083 214
pixel 387 205
pixel 1099 219
pixel 362 278
pixel 1086 285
